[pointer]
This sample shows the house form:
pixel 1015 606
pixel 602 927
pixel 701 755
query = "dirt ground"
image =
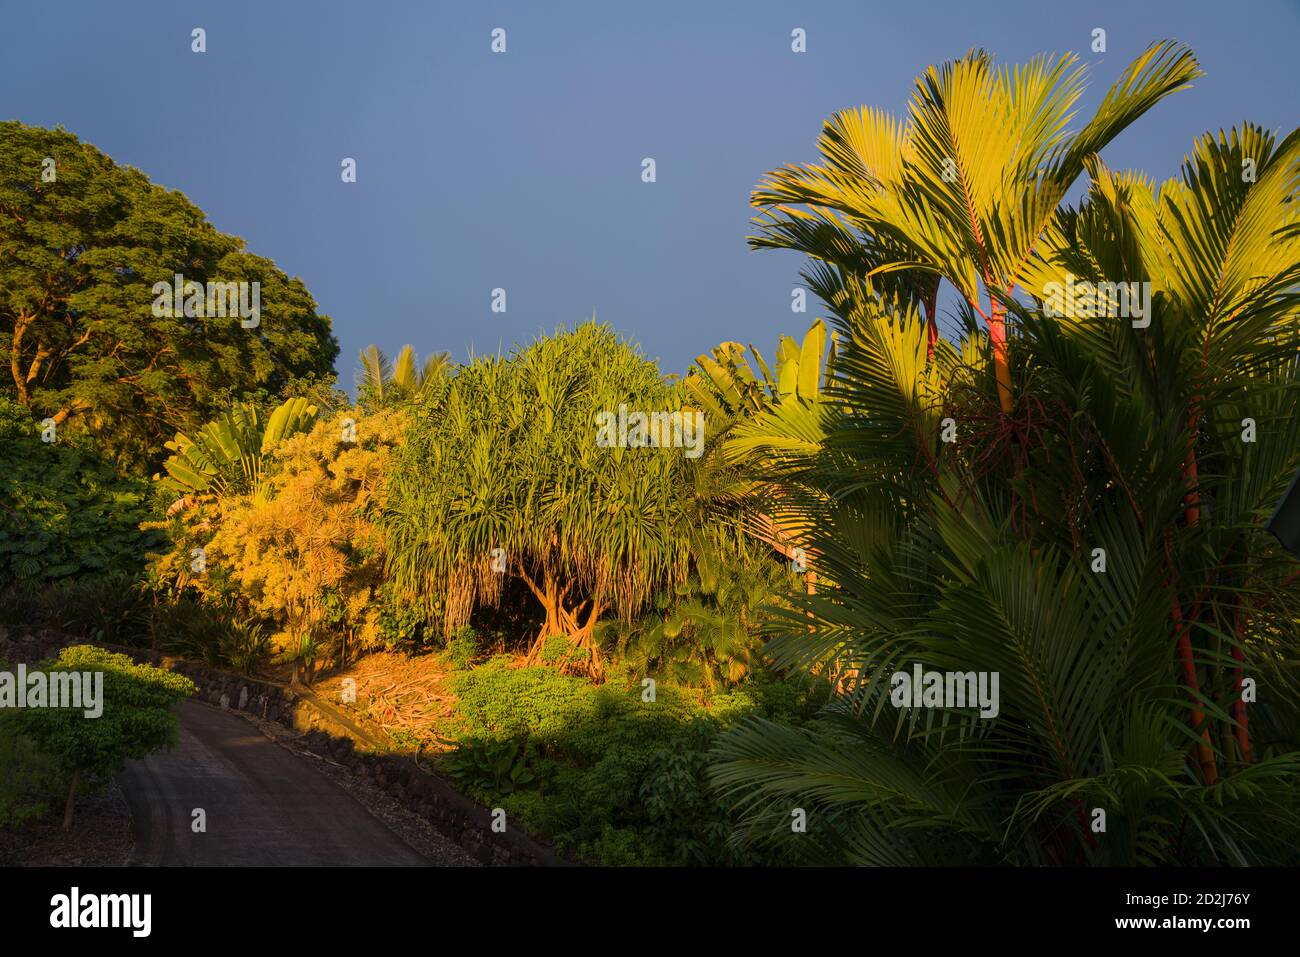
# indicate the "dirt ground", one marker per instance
pixel 100 836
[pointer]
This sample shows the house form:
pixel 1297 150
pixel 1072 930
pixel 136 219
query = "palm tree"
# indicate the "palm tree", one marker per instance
pixel 961 189
pixel 703 633
pixel 1123 598
pixel 382 382
pixel 764 424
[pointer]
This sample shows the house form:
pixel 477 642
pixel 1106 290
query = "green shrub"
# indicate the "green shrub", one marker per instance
pixel 112 607
pixel 501 767
pixel 497 701
pixel 192 629
pixel 557 648
pixel 600 772
pixel 462 648
pixel 66 512
pixel 245 646
pixel 30 781
pixel 303 652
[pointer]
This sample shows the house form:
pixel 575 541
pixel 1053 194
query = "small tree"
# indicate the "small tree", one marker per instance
pixel 503 474
pixel 136 719
pixel 302 559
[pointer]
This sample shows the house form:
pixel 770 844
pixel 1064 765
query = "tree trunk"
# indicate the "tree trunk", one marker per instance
pixel 560 621
pixel 931 298
pixel 1242 729
pixel 1001 366
pixel 1205 755
pixel 72 800
pixel 1192 501
pixel 15 357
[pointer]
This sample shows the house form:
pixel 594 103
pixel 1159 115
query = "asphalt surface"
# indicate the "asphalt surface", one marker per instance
pixel 264 805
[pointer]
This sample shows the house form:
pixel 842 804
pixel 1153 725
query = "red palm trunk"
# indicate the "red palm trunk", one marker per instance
pixel 998 338
pixel 1205 755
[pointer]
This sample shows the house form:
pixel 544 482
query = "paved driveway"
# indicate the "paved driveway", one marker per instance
pixel 265 806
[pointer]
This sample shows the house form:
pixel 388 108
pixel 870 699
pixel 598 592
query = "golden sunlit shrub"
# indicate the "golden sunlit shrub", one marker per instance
pixel 304 558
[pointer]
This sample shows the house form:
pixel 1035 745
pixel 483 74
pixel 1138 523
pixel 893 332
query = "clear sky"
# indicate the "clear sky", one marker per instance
pixel 522 170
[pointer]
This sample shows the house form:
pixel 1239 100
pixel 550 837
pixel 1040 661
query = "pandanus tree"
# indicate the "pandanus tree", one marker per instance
pixel 1111 568
pixel 503 474
pixel 961 189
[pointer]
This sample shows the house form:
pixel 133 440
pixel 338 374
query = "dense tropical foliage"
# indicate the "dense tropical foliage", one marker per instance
pixel 64 510
pixel 667 620
pixel 1096 542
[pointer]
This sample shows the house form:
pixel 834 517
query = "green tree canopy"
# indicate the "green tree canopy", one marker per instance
pixel 82 243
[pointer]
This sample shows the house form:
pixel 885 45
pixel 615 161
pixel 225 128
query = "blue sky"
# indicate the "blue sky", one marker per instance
pixel 522 170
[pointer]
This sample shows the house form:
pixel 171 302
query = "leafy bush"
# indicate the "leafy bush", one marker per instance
pixel 303 652
pixel 31 779
pixel 462 648
pixel 400 625
pixel 114 608
pixel 245 647
pixel 602 773
pixel 192 629
pixel 556 651
pixel 64 511
pixel 498 701
pixel 499 766
pixel 301 556
pixel 704 632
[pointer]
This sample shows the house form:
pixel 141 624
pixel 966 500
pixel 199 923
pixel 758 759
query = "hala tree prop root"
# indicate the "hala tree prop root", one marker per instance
pixel 582 657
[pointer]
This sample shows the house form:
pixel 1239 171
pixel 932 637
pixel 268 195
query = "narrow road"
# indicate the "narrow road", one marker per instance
pixel 264 805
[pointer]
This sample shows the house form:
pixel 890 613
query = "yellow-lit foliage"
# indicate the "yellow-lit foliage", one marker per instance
pixel 307 559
